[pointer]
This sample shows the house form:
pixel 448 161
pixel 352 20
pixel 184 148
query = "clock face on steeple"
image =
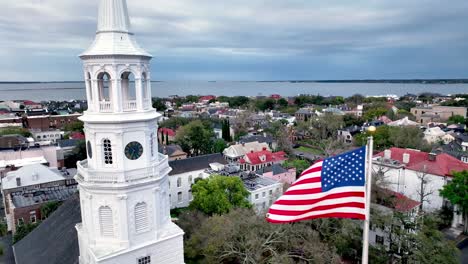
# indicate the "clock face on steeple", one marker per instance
pixel 133 150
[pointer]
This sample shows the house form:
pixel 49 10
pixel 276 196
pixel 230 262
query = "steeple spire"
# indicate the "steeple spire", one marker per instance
pixel 113 16
pixel 113 36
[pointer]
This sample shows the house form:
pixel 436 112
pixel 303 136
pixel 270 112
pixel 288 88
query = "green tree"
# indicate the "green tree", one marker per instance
pixel 48 208
pixel 174 122
pixel 265 104
pixel 76 126
pixel 219 194
pixel 280 132
pixel 15 131
pixel 241 236
pixel 381 138
pixel 356 99
pixel 352 120
pixel 456 191
pixel 3 228
pixel 373 113
pixel 323 133
pixel 300 165
pixel 195 137
pixel 429 245
pixel 219 145
pixel 78 154
pixel 159 104
pixel 226 131
pixel 282 103
pixel 23 230
pixel 192 99
pixel 456 119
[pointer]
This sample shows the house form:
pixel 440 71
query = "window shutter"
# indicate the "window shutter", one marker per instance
pixel 106 222
pixel 141 217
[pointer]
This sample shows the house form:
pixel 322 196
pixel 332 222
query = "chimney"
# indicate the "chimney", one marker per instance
pixel 18 181
pixel 432 156
pixel 387 154
pixel 406 158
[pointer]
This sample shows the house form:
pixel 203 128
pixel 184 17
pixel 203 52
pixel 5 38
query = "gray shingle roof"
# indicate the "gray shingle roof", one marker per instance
pixel 261 139
pixel 54 241
pixel 195 163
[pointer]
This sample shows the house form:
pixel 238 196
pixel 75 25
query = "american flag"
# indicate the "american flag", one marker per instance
pixel 334 187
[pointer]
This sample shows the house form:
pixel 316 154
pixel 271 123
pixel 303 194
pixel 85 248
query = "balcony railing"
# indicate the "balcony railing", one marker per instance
pixel 130 105
pixel 105 106
pixel 155 171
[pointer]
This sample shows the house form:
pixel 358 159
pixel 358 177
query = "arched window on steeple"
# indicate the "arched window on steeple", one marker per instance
pixel 104 92
pixel 128 91
pixel 106 223
pixel 104 86
pixel 141 217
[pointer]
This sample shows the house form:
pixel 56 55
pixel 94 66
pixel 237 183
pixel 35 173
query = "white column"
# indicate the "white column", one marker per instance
pixel 116 95
pixel 95 91
pixel 138 93
pixel 148 87
pixel 89 91
pixel 124 223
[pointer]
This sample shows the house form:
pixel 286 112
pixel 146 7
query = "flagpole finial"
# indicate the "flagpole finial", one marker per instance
pixel 372 129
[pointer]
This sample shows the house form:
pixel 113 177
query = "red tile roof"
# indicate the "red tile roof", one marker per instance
pixel 443 165
pixel 402 203
pixel 385 119
pixel 207 98
pixel 264 156
pixel 77 135
pixel 27 102
pixel 275 96
pixel 167 131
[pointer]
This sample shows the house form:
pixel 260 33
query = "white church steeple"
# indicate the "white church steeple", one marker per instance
pixel 124 187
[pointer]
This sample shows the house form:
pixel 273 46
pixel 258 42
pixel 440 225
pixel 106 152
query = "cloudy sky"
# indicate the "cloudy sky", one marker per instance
pixel 246 39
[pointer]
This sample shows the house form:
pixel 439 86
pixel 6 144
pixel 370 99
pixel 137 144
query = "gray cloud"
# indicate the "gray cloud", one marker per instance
pixel 255 39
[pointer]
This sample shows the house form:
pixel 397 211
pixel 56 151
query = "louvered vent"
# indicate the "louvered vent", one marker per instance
pixel 141 217
pixel 106 222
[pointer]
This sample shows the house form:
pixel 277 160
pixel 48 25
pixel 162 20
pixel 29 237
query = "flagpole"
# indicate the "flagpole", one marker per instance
pixel 370 150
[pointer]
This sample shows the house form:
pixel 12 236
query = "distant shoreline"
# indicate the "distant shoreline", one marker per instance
pixel 409 81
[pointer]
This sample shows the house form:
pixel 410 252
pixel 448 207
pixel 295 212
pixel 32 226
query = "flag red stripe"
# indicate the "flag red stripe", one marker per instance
pixel 310 180
pixel 304 191
pixel 329 215
pixel 318 208
pixel 326 197
pixel 316 169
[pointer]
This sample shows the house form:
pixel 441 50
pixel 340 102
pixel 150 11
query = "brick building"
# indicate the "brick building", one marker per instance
pixel 425 115
pixel 43 122
pixel 28 188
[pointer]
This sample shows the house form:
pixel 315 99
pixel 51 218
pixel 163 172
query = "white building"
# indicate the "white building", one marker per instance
pixel 48 135
pixel 235 152
pixel 124 186
pixel 403 122
pixel 434 135
pixel 404 169
pixel 263 192
pixel 185 172
pixel 49 155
